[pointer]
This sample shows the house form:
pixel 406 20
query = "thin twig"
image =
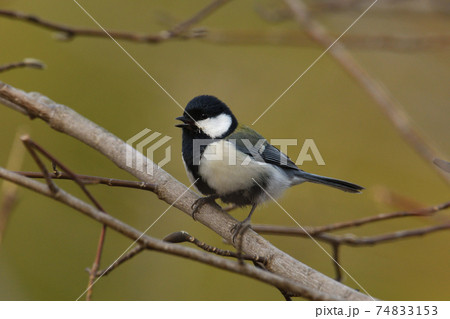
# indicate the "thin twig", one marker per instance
pixel 408 6
pixel 182 236
pixel 93 180
pixel 130 254
pixel 32 146
pixel 353 240
pixel 26 63
pixel 96 264
pixel 320 232
pixel 240 37
pixel 350 239
pixel 200 15
pixel 381 42
pixel 443 165
pixel 29 144
pixel 336 264
pixel 315 230
pixel 63 167
pixel 387 104
pixel 70 32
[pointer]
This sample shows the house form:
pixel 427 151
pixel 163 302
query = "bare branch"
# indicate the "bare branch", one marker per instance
pixel 93 180
pixel 202 14
pixel 29 144
pixel 64 119
pixel 274 11
pixel 352 240
pixel 320 232
pixel 410 6
pixel 381 42
pixel 70 32
pixel 388 105
pixel 182 236
pixel 241 37
pixel 337 267
pixel 315 230
pixel 179 237
pixel 130 254
pixel 444 165
pixel 173 249
pixel 32 148
pixel 27 63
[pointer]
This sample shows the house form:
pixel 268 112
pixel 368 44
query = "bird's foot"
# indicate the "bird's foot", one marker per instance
pixel 202 201
pixel 239 229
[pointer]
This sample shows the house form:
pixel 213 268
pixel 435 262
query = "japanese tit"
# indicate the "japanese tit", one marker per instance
pixel 235 163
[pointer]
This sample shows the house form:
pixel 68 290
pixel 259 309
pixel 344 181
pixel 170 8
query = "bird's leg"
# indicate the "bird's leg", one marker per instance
pixel 238 230
pixel 240 227
pixel 210 199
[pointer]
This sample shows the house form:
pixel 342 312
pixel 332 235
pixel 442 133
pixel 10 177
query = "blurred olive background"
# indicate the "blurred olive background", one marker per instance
pixel 47 246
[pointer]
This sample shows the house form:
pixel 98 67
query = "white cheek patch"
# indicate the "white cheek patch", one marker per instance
pixel 215 126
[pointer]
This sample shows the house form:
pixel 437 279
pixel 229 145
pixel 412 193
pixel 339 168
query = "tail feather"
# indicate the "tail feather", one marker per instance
pixel 336 183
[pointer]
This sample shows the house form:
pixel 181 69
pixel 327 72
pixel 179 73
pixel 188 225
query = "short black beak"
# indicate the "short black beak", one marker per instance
pixel 187 122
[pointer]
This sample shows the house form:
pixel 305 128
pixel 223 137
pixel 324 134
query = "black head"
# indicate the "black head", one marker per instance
pixel 207 116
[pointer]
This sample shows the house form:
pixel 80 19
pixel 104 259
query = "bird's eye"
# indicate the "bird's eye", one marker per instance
pixel 203 116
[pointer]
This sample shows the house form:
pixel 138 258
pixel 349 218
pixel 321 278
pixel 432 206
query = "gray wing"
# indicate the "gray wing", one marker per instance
pixel 274 156
pixel 259 149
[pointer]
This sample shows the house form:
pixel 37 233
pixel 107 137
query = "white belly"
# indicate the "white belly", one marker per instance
pixel 227 170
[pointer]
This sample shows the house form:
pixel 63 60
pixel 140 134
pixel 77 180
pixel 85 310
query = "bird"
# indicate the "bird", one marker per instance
pixel 232 162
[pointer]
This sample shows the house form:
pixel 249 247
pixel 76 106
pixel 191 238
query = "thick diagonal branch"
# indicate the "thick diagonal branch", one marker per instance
pixel 64 119
pixel 159 245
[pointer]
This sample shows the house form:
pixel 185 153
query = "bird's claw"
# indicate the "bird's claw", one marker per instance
pixel 200 202
pixel 239 229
